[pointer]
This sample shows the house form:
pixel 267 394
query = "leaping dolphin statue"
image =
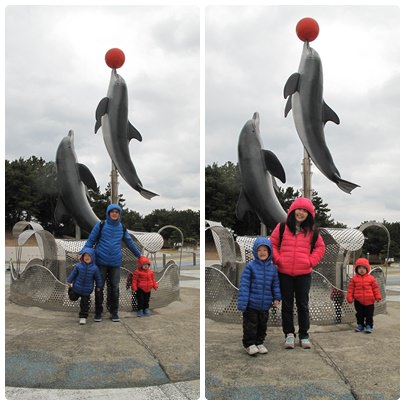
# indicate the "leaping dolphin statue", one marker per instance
pixel 71 179
pixel 112 116
pixel 310 112
pixel 257 166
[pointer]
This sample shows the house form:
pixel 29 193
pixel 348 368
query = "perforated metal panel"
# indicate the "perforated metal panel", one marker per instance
pixel 37 286
pixel 330 278
pixel 42 282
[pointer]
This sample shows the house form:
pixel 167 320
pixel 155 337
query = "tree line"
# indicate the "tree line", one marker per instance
pixel 31 194
pixel 222 189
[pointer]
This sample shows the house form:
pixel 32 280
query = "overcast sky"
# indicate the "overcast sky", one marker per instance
pixel 56 75
pixel 251 52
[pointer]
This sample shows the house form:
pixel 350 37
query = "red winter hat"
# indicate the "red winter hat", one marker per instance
pixel 143 260
pixel 362 262
pixel 303 203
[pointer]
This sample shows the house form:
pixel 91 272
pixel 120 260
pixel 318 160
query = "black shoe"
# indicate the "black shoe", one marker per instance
pixel 115 318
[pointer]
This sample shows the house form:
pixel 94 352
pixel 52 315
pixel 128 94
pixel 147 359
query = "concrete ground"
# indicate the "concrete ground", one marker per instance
pixel 48 355
pixel 341 365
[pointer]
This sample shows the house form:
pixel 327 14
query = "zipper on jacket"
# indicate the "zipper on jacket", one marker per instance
pixel 264 282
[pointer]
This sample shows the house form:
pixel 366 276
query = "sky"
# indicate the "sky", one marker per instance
pixel 56 74
pixel 250 54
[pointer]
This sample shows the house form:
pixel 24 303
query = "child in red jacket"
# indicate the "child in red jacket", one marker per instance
pixel 363 290
pixel 143 280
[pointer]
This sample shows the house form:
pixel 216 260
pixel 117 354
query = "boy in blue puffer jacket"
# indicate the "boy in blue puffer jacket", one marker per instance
pixel 259 290
pixel 81 282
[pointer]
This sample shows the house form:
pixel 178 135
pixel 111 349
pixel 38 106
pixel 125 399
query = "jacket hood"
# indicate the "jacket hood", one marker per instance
pixel 91 252
pixel 259 242
pixel 143 260
pixel 362 262
pixel 303 203
pixel 113 207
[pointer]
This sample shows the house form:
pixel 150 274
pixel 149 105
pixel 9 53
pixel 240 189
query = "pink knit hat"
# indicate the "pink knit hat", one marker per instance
pixel 303 203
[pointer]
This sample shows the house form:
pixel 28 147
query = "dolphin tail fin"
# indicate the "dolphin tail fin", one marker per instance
pixel 346 186
pixel 146 193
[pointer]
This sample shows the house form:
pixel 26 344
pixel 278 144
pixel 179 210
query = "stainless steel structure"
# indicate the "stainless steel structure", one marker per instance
pixel 330 278
pixel 41 282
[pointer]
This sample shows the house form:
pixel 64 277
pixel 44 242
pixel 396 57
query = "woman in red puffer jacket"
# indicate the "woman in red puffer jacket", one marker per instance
pixel 295 253
pixel 363 290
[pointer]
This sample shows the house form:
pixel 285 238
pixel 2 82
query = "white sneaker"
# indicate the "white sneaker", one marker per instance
pixel 252 349
pixel 305 343
pixel 82 321
pixel 262 349
pixel 289 341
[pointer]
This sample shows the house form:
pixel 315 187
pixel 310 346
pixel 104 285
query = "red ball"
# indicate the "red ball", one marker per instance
pixel 115 58
pixel 307 29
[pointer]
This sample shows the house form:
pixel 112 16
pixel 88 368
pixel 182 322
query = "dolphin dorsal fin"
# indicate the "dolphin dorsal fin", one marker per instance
pixel 273 165
pixel 101 109
pixel 86 176
pixel 329 115
pixel 292 85
pixel 133 133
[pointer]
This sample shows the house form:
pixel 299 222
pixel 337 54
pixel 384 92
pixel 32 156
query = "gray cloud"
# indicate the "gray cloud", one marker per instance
pixel 250 53
pixel 56 75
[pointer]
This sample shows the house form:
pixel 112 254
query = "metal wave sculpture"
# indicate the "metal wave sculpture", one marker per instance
pixel 257 167
pixel 73 180
pixel 112 117
pixel 330 278
pixel 41 282
pixel 304 90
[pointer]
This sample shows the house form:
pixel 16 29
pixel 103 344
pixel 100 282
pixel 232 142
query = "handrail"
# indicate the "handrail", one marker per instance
pixel 236 288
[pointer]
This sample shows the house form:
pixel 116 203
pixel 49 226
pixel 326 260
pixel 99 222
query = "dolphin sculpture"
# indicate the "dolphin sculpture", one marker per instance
pixel 310 112
pixel 71 175
pixel 257 166
pixel 112 116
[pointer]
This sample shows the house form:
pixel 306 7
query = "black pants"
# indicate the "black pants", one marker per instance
pixel 254 327
pixel 143 299
pixel 112 275
pixel 298 288
pixel 364 312
pixel 84 302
